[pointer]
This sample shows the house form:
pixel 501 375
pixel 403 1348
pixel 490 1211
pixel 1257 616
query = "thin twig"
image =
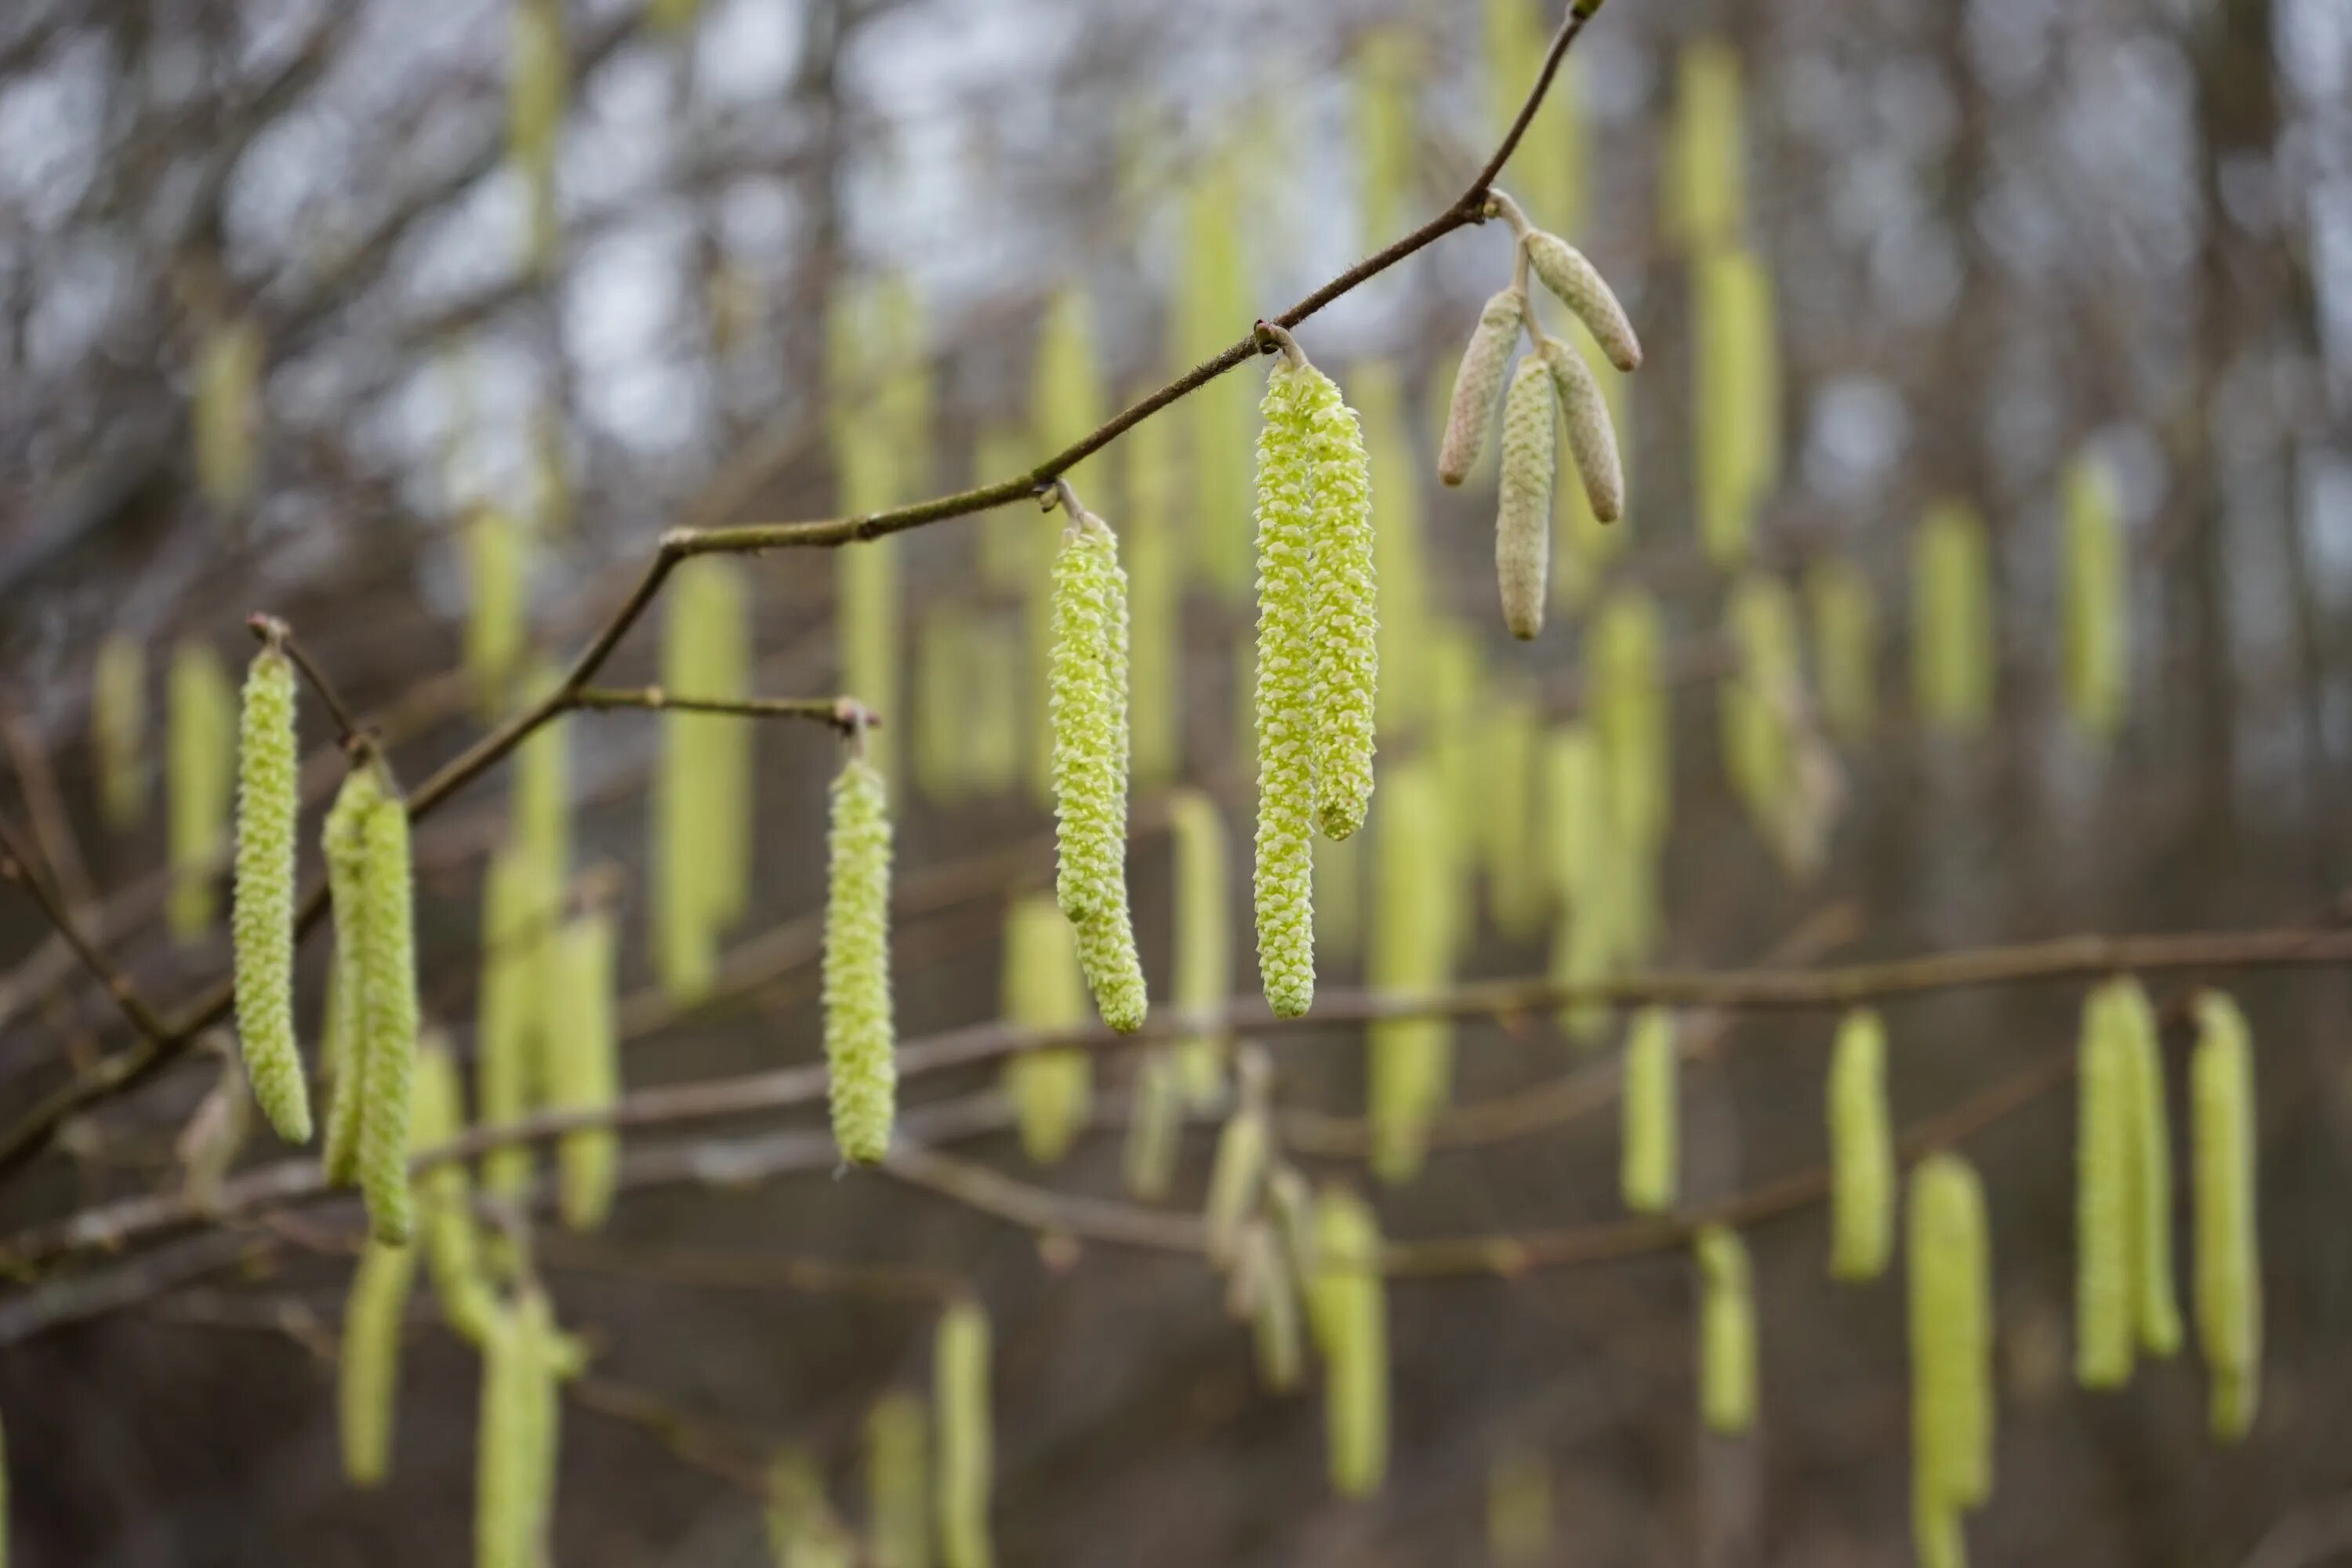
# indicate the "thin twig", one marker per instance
pixel 19 865
pixel 278 634
pixel 842 713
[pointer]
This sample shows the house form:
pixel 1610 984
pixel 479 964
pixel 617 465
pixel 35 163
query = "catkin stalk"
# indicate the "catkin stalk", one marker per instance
pixel 117 722
pixel 583 1065
pixel 1591 439
pixel 1050 1087
pixel 898 1481
pixel 1285 698
pixel 368 1376
pixel 200 771
pixel 966 1464
pixel 1727 1332
pixel 2229 1269
pixel 1478 383
pixel 1651 1149
pixel 1951 1338
pixel 1347 1308
pixel 262 919
pixel 1862 1150
pixel 1523 521
pixel 1234 1179
pixel 2105 1230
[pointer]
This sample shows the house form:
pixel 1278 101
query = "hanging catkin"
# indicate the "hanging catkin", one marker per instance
pixel 1523 518
pixel 1578 284
pixel 1591 439
pixel 701 795
pixel 2097 626
pixel 541 805
pixel 445 1202
pixel 262 918
pixel 1234 1179
pixel 1285 698
pixel 2229 1269
pixel 1574 827
pixel 1727 1332
pixel 512 1007
pixel 1272 1308
pixel 1952 652
pixel 1951 1341
pixel 497 593
pixel 227 414
pixel 386 968
pixel 1629 716
pixel 1704 196
pixel 1090 750
pixel 1155 1121
pixel 1409 1063
pixel 966 1464
pixel 510 1439
pixel 897 1482
pixel 1737 421
pixel 1862 1150
pixel 343 839
pixel 1760 703
pixel 1846 645
pixel 2155 1307
pixel 942 705
pixel 367 1379
pixel 201 772
pixel 1346 630
pixel 860 1044
pixel 1347 1307
pixel 583 1064
pixel 2105 1226
pixel 1050 1087
pixel 1651 1159
pixel 1067 398
pixel 1478 383
pixel 117 724
pixel 1203 941
pixel 1508 820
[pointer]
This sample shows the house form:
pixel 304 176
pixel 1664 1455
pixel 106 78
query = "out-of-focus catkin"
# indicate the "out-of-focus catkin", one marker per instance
pixel 966 1464
pixel 1409 1069
pixel 1737 389
pixel 1051 1085
pixel 2155 1306
pixel 860 1042
pixel 1844 610
pixel 1951 1338
pixel 1952 653
pixel 118 723
pixel 583 1065
pixel 1862 1150
pixel 898 1481
pixel 368 1376
pixel 1727 1330
pixel 1629 715
pixel 262 918
pixel 802 1530
pixel 1478 383
pixel 2098 625
pixel 702 792
pixel 1523 518
pixel 200 773
pixel 1505 818
pixel 1705 174
pixel 1386 68
pixel 1343 606
pixel 514 1006
pixel 1203 940
pixel 1347 1308
pixel 498 595
pixel 1155 605
pixel 453 1251
pixel 1651 1156
pixel 2228 1267
pixel 1285 697
pixel 227 411
pixel 536 93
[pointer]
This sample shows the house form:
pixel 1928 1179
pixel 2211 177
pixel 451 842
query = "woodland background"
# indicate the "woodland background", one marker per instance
pixel 2000 233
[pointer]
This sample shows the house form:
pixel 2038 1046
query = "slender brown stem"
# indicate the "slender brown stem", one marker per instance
pixel 276 632
pixel 840 713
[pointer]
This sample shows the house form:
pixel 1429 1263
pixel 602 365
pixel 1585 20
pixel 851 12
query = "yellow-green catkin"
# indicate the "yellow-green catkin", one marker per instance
pixel 1862 1150
pixel 513 1006
pixel 368 1375
pixel 1155 1121
pixel 453 1253
pixel 898 1481
pixel 118 725
pixel 701 795
pixel 1704 173
pixel 966 1466
pixel 1213 304
pixel 1591 434
pixel 1760 702
pixel 1478 383
pixel 201 771
pixel 802 1531
pixel 1345 617
pixel 1347 1308
pixel 1523 518
pixel 1726 1332
pixel 536 91
pixel 1409 1069
pixel 1234 1179
pixel 1285 698
pixel 541 805
pixel 1573 280
pixel 1508 823
pixel 1203 941
pixel 1519 1510
pixel 344 840
pixel 1736 388
pixel 514 1437
pixel 1399 551
pixel 880 414
pixel 1845 611
pixel 860 1040
pixel 1629 715
pixel 262 919
pixel 226 414
pixel 497 593
pixel 1573 825
pixel 1952 1348
pixel 1584 541
pixel 2105 1230
pixel 2155 1307
pixel 386 968
pixel 1387 78
pixel 943 697
pixel 1090 747
pixel 2228 1267
pixel 1155 605
pixel 1066 397
pixel 552 501
pixel 1651 1157
pixel 1051 1087
pixel 583 1065
pixel 1952 653
pixel 2097 587
pixel 1272 1308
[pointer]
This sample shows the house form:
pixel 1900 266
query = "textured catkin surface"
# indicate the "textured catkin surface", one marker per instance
pixel 859 1038
pixel 1591 439
pixel 1478 384
pixel 344 840
pixel 1563 269
pixel 387 970
pixel 1087 700
pixel 368 1375
pixel 262 916
pixel 1286 700
pixel 1523 522
pixel 1346 611
pixel 1650 1157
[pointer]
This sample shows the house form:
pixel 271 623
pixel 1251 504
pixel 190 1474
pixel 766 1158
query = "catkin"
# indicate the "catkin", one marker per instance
pixel 1285 698
pixel 1523 519
pixel 541 803
pixel 1862 1150
pixel 386 967
pixel 1952 653
pixel 1951 1336
pixel 1727 1332
pixel 1409 1061
pixel 262 918
pixel 2105 1224
pixel 1214 296
pixel 117 722
pixel 200 775
pixel 506 1461
pixel 583 1065
pixel 1574 828
pixel 227 416
pixel 1203 940
pixel 344 841
pixel 1506 835
pixel 1090 748
pixel 2156 1308
pixel 444 1196
pixel 512 1007
pixel 1629 715
pixel 1562 269
pixel 898 1483
pixel 1478 383
pixel 861 1071
pixel 1347 1307
pixel 959 1397
pixel 2229 1269
pixel 1592 440
pixel 1759 704
pixel 1737 420
pixel 536 91
pixel 368 1375
pixel 2098 645
pixel 1846 645
pixel 1234 1179
pixel 1155 1121
pixel 497 591
pixel 1346 628
pixel 1067 398
pixel 1704 167
pixel 1273 1311
pixel 1549 164
pixel 702 792
pixel 1050 1087
pixel 1650 1158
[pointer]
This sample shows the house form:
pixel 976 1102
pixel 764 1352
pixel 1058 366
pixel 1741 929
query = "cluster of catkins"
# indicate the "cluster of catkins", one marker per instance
pixel 1317 656
pixel 1548 383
